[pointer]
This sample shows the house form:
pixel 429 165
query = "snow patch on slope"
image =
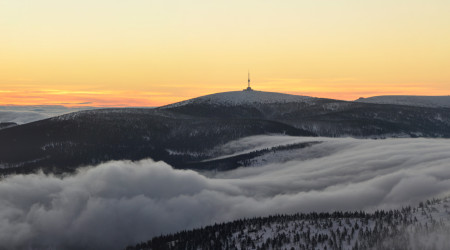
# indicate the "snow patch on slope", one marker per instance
pixel 261 142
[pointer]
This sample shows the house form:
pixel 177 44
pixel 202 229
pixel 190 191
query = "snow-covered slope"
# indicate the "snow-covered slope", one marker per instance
pixel 234 98
pixel 424 227
pixel 420 101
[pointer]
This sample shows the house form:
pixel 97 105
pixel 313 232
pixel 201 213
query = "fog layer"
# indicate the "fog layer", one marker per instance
pixel 118 203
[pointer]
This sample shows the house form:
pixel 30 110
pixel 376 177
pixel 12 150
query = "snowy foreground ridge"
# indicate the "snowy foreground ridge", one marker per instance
pixel 424 227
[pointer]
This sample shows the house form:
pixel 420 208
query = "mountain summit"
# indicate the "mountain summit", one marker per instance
pixel 234 98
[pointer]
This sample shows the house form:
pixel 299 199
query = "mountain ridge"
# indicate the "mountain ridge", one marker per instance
pixel 409 100
pixel 234 98
pixel 63 143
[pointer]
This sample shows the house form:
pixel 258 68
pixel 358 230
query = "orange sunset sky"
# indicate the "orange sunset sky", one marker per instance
pixel 150 53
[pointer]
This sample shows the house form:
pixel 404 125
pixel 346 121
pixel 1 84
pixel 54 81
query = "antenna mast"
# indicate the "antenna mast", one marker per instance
pixel 248 87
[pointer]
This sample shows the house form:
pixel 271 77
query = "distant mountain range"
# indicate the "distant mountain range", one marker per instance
pixel 187 132
pixel 408 100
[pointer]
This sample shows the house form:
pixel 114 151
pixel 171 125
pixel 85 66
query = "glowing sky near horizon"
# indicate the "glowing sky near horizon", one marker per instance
pixel 149 53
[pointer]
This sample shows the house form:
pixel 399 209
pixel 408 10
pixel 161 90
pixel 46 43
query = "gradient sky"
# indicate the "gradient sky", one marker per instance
pixel 148 53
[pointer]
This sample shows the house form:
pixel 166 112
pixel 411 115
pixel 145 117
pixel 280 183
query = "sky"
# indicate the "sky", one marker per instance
pixel 151 53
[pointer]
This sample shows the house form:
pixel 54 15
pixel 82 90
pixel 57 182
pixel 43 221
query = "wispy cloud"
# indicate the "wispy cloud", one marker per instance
pixel 97 98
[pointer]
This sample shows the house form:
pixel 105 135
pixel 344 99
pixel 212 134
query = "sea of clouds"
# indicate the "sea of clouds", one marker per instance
pixel 118 203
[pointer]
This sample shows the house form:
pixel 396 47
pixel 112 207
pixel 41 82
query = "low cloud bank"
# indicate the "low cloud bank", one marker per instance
pixel 27 114
pixel 21 117
pixel 118 203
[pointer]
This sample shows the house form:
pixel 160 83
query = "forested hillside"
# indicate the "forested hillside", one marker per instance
pixel 424 227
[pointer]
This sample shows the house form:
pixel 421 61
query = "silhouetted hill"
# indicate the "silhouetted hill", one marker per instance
pixel 325 117
pixel 196 126
pixel 63 143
